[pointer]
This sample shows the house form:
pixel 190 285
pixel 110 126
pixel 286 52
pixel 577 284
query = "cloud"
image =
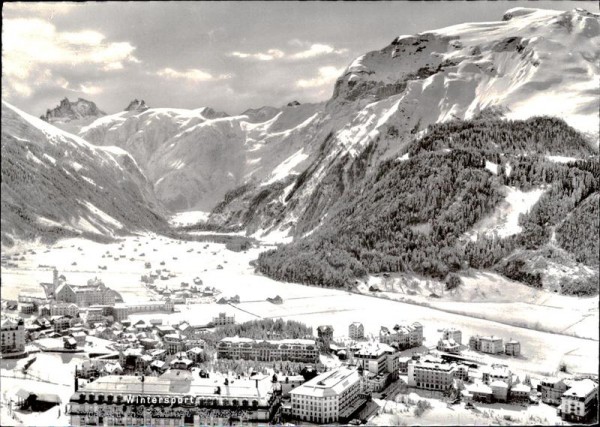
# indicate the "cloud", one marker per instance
pixel 39 8
pixel 33 50
pixel 318 49
pixel 191 74
pixel 269 55
pixel 325 77
pixel 310 51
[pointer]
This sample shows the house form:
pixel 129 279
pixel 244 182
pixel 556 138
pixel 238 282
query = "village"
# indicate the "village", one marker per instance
pixel 126 356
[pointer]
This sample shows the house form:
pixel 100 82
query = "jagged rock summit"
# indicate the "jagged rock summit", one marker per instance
pixel 136 105
pixel 67 111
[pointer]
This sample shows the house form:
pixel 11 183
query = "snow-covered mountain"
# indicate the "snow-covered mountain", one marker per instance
pixel 55 184
pixel 280 170
pixel 532 62
pixel 72 115
pixel 193 157
pixel 137 105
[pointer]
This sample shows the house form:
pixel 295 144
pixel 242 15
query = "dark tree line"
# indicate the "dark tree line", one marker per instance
pixel 409 216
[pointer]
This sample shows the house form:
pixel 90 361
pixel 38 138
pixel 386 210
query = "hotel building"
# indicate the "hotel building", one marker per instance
pixel 431 376
pixel 580 401
pixel 294 350
pixel 328 398
pixel 95 292
pixel 191 401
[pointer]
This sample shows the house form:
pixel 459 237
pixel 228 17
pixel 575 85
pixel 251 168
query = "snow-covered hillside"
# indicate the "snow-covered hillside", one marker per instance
pixel 533 62
pixel 56 184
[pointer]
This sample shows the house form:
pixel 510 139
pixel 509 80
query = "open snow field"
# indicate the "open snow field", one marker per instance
pixel 542 352
pixel 401 413
pixel 490 296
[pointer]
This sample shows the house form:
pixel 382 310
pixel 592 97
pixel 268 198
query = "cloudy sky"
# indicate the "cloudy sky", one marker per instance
pixel 227 55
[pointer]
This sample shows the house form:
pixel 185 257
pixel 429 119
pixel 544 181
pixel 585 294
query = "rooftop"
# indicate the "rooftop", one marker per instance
pixel 200 387
pixel 329 383
pixel 581 388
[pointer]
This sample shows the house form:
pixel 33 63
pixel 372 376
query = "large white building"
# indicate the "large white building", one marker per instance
pixel 12 336
pixel 579 401
pixel 295 350
pixel 378 358
pixel 95 292
pixel 328 397
pixel 431 376
pixel 158 401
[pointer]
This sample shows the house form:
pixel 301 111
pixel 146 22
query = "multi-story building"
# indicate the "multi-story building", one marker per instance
pixel 95 292
pixel 499 390
pixel 496 372
pixel 580 401
pixel 120 311
pixel 404 336
pixel 490 345
pixel 223 319
pixel 194 401
pixel 520 393
pixel 452 334
pixel 295 350
pixel 328 398
pixel 513 348
pixel 61 323
pixel 552 390
pixel 174 343
pixel 381 363
pixel 64 309
pixel 378 358
pixel 431 376
pixel 356 331
pixel 12 336
pixel 325 336
pixel 448 346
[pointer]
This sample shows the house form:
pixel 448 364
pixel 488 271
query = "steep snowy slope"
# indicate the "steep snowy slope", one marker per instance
pixel 193 157
pixel 533 62
pixel 56 184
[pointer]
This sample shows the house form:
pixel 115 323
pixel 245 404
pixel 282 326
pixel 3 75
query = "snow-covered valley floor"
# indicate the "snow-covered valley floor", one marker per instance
pixel 542 351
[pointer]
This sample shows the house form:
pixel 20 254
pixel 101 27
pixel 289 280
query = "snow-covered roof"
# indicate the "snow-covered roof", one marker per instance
pixel 581 388
pixel 330 383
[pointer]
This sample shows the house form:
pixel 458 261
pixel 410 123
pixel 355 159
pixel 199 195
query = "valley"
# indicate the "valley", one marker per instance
pixel 542 351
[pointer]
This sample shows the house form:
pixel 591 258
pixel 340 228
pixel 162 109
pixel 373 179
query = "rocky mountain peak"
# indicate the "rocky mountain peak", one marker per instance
pixel 72 110
pixel 137 105
pixel 293 104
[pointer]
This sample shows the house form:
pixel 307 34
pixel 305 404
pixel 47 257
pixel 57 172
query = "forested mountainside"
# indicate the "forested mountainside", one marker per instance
pixel 413 213
pixel 55 184
pixel 532 62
